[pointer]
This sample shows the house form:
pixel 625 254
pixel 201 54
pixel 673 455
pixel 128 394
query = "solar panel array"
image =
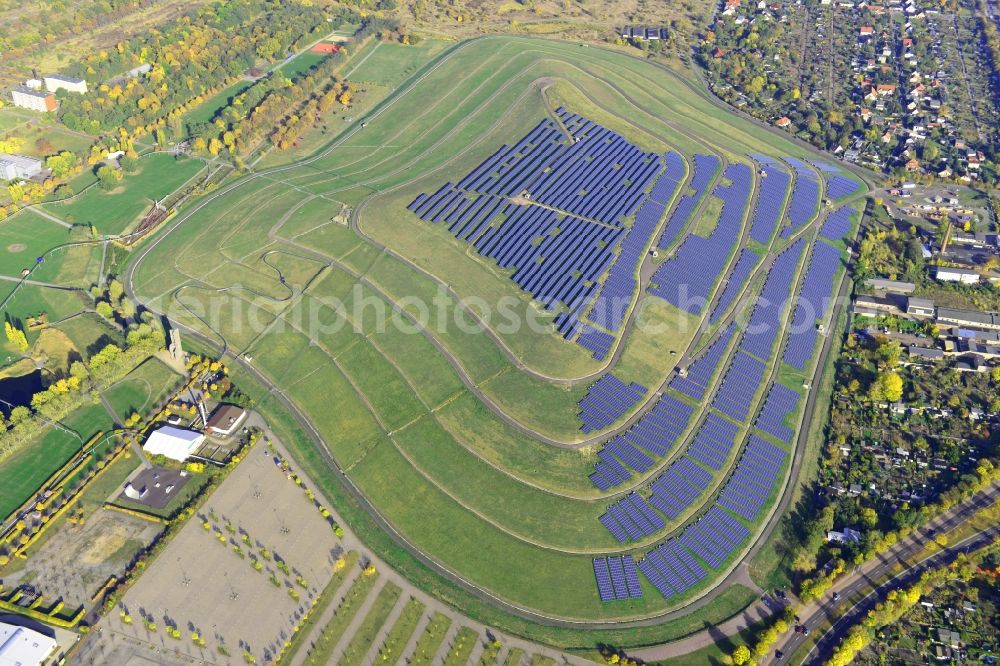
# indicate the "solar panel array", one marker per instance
pixel 617 578
pixel 781 402
pixel 813 300
pixel 764 325
pixel 599 176
pixel 699 373
pixel 703 170
pixel 655 433
pixel 838 185
pixel 631 518
pixel 714 537
pixel 608 399
pixel 739 386
pixel 715 440
pixel 805 196
pixel 671 569
pixel 771 194
pixel 735 282
pixel 678 486
pixel 555 258
pixel 595 341
pixel 686 279
pixel 558 252
pixel 837 224
pixel 619 287
pixel 754 479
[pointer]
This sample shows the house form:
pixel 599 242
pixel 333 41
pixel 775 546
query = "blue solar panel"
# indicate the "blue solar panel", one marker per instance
pixel 739 386
pixel 654 434
pixel 698 375
pixel 686 278
pixel 703 170
pixel 813 302
pixel 765 323
pixel 715 440
pixel 838 223
pixel 755 478
pixel 772 192
pixel 608 400
pixel 804 203
pixel 780 404
pixel 735 283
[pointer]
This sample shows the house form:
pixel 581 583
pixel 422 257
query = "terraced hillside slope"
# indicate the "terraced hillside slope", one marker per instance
pixel 559 347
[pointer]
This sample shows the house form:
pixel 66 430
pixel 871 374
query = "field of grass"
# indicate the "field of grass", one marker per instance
pixel 301 64
pixel 431 639
pixel 504 509
pixel 205 111
pixel 364 636
pixel 114 212
pixel 401 631
pixel 461 647
pixel 142 388
pixel 335 628
pixel 389 64
pixel 23 473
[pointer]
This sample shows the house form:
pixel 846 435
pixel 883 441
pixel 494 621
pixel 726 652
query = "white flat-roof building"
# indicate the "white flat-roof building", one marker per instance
pixel 56 82
pixel 20 646
pixel 36 100
pixel 13 167
pixel 963 275
pixel 174 443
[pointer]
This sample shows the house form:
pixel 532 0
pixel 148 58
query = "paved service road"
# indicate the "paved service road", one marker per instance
pixel 864 580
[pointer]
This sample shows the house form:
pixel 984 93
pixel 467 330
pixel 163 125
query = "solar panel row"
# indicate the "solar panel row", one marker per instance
pixel 608 399
pixel 655 433
pixel 698 375
pixel 764 326
pixel 735 282
pixel 781 403
pixel 739 386
pixel 685 279
pixel 837 224
pixel 632 518
pixel 616 295
pixel 703 170
pixel 804 202
pixel 754 479
pixel 812 304
pixel 771 194
pixel 617 578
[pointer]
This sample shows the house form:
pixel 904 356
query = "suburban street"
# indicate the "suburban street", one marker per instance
pixel 866 579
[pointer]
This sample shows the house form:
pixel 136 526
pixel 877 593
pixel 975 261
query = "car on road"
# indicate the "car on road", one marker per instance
pixel 836 596
pixel 802 629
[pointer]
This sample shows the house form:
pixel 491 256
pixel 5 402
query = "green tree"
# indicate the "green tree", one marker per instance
pixel 108 177
pixel 741 655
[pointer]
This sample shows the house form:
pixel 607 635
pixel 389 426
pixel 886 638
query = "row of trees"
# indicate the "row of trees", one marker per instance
pixel 274 107
pixel 191 57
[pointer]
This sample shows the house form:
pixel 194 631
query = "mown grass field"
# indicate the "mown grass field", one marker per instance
pixel 22 474
pixel 142 388
pixel 405 413
pixel 114 212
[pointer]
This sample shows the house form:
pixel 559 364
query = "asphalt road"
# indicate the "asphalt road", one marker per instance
pixel 865 580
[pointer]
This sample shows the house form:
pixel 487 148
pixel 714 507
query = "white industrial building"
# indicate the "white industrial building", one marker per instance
pixel 20 646
pixel 56 82
pixel 174 443
pixel 36 100
pixel 13 167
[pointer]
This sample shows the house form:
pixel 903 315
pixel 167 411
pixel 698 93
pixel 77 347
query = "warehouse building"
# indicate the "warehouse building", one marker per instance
pixel 963 275
pixel 174 443
pixel 21 646
pixel 14 167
